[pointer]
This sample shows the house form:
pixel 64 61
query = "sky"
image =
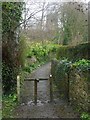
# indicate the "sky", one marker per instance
pixel 59 0
pixel 32 6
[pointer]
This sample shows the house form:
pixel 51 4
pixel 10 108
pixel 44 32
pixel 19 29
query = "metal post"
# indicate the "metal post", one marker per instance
pixel 35 91
pixel 68 90
pixel 18 88
pixel 51 91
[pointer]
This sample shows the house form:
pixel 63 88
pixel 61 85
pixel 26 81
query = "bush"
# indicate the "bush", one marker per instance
pixel 85 116
pixel 41 51
pixel 74 52
pixel 9 104
pixel 82 65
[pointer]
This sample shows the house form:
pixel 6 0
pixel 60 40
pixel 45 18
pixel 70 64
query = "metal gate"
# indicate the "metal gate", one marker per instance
pixel 35 87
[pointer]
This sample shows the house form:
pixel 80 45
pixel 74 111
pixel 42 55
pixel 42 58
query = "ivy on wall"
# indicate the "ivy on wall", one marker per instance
pixel 11 17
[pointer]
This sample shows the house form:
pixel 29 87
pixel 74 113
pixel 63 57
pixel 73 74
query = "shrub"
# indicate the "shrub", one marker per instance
pixel 41 51
pixel 74 52
pixel 82 65
pixel 85 116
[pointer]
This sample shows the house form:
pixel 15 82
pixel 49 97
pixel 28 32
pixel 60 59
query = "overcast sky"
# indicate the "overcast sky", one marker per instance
pixel 32 5
pixel 58 0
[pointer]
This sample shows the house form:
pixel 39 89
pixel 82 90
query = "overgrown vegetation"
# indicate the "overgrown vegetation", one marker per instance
pixel 11 62
pixel 63 71
pixel 65 66
pixel 79 71
pixel 75 52
pixel 64 29
pixel 85 116
pixel 38 54
pixel 82 65
pixel 11 16
pixel 63 80
pixel 40 50
pixel 9 104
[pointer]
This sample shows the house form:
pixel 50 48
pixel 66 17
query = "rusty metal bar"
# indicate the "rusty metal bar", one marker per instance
pixel 35 87
pixel 68 89
pixel 51 90
pixel 35 91
pixel 33 79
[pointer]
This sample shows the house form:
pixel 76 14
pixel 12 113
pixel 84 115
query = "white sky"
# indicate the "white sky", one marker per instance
pixel 58 0
pixel 33 5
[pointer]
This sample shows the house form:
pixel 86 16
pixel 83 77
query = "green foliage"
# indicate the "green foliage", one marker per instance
pixel 8 78
pixel 13 97
pixel 11 16
pixel 30 68
pixel 61 73
pixel 33 66
pixel 9 104
pixel 82 65
pixel 41 51
pixel 85 116
pixel 74 52
pixel 62 51
pixel 65 66
pixel 42 54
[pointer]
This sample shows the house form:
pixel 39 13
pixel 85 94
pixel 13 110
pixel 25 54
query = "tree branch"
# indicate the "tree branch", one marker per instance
pixel 31 15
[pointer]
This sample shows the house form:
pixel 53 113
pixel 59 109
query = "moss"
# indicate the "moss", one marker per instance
pixel 62 52
pixel 79 90
pixel 64 72
pixel 74 52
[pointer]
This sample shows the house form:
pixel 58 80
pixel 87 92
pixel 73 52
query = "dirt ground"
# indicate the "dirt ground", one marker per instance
pixel 44 108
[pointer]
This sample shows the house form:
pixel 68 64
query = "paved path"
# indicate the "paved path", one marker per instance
pixel 43 109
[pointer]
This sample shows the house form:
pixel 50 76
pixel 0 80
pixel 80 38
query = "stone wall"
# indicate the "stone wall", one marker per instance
pixel 79 93
pixel 61 84
pixel 79 90
pixel 54 64
pixel 74 52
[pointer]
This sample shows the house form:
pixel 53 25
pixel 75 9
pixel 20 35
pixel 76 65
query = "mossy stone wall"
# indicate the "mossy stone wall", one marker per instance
pixel 79 83
pixel 79 87
pixel 74 52
pixel 60 83
pixel 79 90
